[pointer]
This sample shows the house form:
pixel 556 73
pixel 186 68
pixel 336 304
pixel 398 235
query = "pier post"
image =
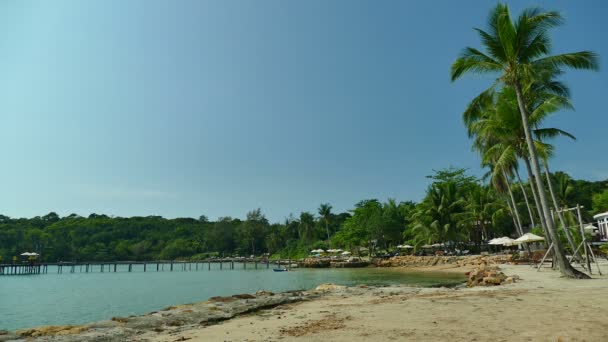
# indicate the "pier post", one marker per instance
pixel 157 265
pixel 221 265
pixel 172 266
pixel 144 266
pixel 209 266
pixel 114 267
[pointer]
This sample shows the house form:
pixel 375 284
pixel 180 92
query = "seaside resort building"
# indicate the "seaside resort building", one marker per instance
pixel 602 224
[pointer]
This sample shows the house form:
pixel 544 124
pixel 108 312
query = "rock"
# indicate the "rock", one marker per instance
pixel 222 299
pixel 509 280
pixel 491 281
pixel 329 287
pixel 264 293
pixel 51 330
pixel 243 296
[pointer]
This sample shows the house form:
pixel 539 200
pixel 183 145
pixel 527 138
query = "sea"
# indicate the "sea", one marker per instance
pixel 76 298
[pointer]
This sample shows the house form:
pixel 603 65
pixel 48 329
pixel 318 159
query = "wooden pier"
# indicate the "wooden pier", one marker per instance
pixel 128 266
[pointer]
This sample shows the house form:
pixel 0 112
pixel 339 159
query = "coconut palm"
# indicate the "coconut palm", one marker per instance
pixel 493 120
pixel 495 127
pixel 519 51
pixel 481 205
pixel 325 213
pixel 438 218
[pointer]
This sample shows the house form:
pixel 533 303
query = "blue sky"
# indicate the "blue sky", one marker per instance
pixel 183 108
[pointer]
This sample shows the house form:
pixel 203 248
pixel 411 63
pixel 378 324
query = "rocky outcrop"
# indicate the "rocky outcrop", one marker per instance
pixel 488 276
pixel 173 318
pixel 329 287
pixel 315 263
pixel 456 261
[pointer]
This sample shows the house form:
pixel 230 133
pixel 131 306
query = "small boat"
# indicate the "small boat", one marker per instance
pixel 284 269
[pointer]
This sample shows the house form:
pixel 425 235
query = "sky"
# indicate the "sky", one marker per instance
pixel 189 108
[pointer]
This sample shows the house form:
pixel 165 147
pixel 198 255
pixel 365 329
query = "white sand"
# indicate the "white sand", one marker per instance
pixel 541 307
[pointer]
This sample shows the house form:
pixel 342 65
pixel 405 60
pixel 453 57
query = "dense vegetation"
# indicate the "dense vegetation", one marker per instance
pixel 457 208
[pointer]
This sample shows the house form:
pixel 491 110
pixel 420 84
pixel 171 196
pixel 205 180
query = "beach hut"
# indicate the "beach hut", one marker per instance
pixel 602 225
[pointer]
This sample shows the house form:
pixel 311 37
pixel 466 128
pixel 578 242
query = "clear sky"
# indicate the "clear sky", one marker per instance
pixel 183 108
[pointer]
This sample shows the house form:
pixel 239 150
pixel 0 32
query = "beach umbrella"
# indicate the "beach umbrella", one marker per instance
pixel 435 245
pixel 529 237
pixel 506 241
pixel 404 247
pixel 26 254
pixel 426 246
pixel 346 253
pixel 498 241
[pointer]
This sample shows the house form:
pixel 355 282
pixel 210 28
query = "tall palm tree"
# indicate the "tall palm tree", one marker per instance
pixel 519 51
pixel 496 130
pixel 325 213
pixel 493 120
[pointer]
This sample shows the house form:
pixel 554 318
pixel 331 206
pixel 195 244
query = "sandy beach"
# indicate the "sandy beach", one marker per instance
pixel 541 307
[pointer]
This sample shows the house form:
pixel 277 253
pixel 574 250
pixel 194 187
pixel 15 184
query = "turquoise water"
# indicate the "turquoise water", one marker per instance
pixel 74 298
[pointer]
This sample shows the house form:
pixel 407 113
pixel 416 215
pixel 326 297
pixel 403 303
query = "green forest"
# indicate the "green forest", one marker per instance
pixel 458 208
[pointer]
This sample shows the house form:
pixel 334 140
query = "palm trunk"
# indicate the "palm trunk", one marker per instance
pixel 513 203
pixel 531 178
pixel 559 213
pixel 558 249
pixel 521 230
pixel 512 215
pixel 523 190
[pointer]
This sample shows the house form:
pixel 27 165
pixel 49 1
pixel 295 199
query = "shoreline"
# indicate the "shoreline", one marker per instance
pixel 311 314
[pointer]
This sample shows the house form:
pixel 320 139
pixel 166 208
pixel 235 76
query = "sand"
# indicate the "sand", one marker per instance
pixel 541 307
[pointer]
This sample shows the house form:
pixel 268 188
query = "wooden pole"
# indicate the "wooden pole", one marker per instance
pixel 585 247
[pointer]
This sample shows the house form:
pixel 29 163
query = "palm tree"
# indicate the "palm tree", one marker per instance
pixel 495 130
pixel 325 213
pixel 519 52
pixel 493 120
pixel 480 207
pixel 306 227
pixel 438 218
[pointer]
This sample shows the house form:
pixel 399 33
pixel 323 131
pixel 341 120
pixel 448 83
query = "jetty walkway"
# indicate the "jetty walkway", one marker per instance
pixel 131 266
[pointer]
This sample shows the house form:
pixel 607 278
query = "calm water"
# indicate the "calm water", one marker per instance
pixel 72 298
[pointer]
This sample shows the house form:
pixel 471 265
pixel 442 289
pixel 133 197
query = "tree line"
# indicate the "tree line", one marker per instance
pixel 458 209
